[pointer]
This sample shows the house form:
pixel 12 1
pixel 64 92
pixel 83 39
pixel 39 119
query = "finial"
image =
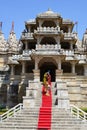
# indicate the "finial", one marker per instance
pixel 0 26
pixel 12 28
pixel 49 9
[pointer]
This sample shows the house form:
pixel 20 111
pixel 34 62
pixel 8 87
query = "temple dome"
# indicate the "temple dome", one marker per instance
pixel 48 13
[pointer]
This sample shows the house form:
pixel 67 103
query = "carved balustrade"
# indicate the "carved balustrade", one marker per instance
pixel 26 35
pixel 47 29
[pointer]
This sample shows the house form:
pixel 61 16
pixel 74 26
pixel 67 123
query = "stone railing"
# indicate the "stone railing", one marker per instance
pixel 27 35
pixel 47 29
pixel 68 52
pixel 69 36
pixel 80 57
pixel 11 112
pixel 26 52
pixel 55 47
pixel 78 112
pixel 47 47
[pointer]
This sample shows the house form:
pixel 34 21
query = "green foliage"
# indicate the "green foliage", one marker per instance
pixel 84 109
pixel 2 111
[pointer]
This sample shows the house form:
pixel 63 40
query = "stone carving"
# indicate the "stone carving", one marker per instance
pixel 14 44
pixel 3 43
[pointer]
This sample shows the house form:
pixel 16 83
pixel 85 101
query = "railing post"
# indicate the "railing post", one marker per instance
pixel 77 113
pixel 0 118
pixel 14 111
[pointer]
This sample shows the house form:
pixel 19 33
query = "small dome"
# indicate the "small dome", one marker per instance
pixel 49 11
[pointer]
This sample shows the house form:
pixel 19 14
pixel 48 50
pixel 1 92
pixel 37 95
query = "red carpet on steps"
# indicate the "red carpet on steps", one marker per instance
pixel 44 121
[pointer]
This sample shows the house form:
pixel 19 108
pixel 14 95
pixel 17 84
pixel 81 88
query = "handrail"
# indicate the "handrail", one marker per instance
pixel 78 112
pixel 11 112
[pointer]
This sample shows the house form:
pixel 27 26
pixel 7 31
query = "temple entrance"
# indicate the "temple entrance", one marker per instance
pixel 48 66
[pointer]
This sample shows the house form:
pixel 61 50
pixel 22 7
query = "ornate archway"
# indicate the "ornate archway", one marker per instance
pixel 48 64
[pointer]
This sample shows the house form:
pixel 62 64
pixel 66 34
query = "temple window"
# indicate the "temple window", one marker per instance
pixel 65 45
pixel 66 66
pixel 31 45
pixel 48 40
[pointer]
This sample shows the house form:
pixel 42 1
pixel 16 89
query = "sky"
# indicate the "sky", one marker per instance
pixel 20 11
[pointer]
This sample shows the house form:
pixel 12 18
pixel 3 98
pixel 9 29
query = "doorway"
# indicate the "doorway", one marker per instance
pixel 48 66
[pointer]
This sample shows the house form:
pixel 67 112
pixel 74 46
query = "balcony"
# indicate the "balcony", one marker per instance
pixel 53 30
pixel 53 49
pixel 69 36
pixel 26 35
pixel 80 57
pixel 47 47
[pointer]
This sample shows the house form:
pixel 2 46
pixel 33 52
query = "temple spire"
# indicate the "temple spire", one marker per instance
pixel 0 26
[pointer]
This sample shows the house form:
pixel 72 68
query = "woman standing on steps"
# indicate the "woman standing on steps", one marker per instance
pixel 47 83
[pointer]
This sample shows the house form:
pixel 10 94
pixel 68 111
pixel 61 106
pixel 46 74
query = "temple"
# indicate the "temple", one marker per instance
pixel 47 43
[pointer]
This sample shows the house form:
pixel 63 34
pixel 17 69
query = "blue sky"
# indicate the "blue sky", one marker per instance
pixel 20 11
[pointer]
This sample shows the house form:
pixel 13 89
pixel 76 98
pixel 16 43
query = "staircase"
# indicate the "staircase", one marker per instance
pixel 25 120
pixel 61 118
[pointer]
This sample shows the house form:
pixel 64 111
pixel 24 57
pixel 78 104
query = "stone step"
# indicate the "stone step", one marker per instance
pixel 19 127
pixel 21 124
pixel 36 117
pixel 36 121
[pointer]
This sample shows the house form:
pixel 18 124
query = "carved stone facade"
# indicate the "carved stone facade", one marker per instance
pixel 47 43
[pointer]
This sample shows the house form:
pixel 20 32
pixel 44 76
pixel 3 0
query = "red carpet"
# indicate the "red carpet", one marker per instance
pixel 44 121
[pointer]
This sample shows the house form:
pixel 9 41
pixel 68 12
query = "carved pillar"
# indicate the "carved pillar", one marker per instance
pixel 85 70
pixel 29 29
pixel 59 64
pixel 36 70
pixel 23 67
pixel 73 63
pixel 71 46
pixel 12 69
pixel 36 75
pixel 58 42
pixel 39 38
pixel 23 72
pixel 73 67
pixel 26 45
pixel 40 23
pixel 8 97
pixel 69 29
pixel 57 22
pixel 59 71
pixel 36 63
